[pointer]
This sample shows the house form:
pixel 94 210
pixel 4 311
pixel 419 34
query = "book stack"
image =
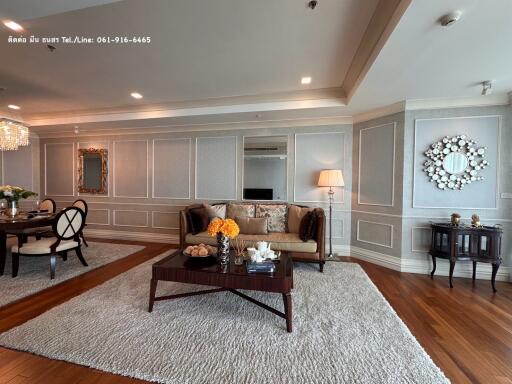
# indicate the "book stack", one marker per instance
pixel 263 267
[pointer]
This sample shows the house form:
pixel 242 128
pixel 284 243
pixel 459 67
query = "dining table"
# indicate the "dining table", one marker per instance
pixel 23 221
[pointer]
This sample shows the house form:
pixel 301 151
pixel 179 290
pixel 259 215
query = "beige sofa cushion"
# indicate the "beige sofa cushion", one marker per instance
pixel 218 210
pixel 275 214
pixel 295 215
pixel 281 241
pixel 235 210
pixel 252 225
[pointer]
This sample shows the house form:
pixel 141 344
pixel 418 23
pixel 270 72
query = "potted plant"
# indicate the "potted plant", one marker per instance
pixel 224 229
pixel 12 195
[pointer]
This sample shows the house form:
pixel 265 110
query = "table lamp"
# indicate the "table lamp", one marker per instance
pixel 330 178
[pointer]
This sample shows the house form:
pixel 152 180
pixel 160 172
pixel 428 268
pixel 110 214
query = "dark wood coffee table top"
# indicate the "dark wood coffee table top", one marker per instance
pixel 206 271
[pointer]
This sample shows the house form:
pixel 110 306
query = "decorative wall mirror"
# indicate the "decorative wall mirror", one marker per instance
pixel 92 171
pixel 265 168
pixel 455 162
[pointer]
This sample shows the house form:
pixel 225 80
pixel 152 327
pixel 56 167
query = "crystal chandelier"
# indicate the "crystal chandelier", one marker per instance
pixel 13 135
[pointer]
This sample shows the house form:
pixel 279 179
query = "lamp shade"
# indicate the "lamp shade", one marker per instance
pixel 331 178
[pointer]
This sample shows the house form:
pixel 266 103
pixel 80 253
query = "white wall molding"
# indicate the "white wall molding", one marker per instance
pixel 375 243
pixel 46 171
pixel 464 102
pixel 116 211
pixel 462 269
pixel 342 201
pixel 341 250
pixel 380 112
pixel 388 261
pixel 114 194
pixel 498 159
pixel 101 209
pixel 162 227
pixel 392 204
pixel 204 127
pixel 189 139
pixel 134 236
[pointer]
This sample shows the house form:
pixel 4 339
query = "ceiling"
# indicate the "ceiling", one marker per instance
pixel 242 60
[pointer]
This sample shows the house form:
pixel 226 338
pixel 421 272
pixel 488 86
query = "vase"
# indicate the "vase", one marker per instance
pixel 222 248
pixel 12 208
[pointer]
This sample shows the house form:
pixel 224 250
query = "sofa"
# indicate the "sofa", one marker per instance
pixel 282 237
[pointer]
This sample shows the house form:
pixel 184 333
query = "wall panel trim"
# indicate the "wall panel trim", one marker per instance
pixel 45 169
pixel 114 169
pixel 393 173
pixel 162 227
pixel 498 160
pixel 189 139
pixel 374 243
pixel 127 225
pixel 101 209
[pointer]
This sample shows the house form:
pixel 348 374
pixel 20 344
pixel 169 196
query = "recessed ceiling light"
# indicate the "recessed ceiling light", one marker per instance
pixel 13 106
pixel 305 80
pixel 136 95
pixel 13 25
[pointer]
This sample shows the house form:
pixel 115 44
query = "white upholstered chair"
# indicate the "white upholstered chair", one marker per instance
pixel 66 228
pixel 82 204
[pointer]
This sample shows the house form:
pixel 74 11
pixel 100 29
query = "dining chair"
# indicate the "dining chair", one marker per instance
pixel 82 204
pixel 66 228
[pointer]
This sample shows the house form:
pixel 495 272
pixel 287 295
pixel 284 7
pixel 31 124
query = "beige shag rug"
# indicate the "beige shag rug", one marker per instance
pixel 34 272
pixel 344 332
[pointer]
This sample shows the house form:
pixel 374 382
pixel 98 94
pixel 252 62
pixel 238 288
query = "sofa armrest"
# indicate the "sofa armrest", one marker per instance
pixel 320 233
pixel 183 228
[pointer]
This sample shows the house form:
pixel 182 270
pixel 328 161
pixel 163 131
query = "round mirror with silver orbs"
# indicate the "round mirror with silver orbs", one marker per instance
pixel 454 162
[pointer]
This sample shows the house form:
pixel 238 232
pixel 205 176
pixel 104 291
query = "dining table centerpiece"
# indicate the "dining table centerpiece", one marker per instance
pixel 224 230
pixel 12 195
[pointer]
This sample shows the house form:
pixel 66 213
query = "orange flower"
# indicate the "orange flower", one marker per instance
pixel 228 227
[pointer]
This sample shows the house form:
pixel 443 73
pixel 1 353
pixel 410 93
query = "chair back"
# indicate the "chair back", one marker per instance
pixel 69 223
pixel 81 204
pixel 48 205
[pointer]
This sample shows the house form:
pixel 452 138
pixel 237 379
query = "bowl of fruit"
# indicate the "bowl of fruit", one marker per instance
pixel 200 251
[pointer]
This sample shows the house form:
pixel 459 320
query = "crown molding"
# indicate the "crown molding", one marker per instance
pixel 464 102
pixel 380 112
pixel 232 126
pixel 315 98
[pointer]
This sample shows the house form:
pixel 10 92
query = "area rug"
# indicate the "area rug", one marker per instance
pixel 344 332
pixel 34 273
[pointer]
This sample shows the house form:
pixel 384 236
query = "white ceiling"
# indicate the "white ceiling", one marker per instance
pixel 199 50
pixel 230 60
pixel 422 60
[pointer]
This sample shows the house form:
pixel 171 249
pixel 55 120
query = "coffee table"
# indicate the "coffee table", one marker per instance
pixel 205 271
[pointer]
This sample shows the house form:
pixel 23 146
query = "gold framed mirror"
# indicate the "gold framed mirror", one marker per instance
pixel 93 171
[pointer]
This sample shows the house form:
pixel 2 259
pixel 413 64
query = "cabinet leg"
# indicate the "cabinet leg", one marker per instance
pixel 287 299
pixel 474 270
pixel 433 266
pixel 493 279
pixel 452 266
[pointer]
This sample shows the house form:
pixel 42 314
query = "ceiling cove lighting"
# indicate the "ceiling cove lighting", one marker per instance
pixel 13 135
pixel 13 106
pixel 13 25
pixel 136 95
pixel 305 80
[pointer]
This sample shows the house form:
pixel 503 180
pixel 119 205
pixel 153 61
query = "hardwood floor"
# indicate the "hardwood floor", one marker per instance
pixel 466 330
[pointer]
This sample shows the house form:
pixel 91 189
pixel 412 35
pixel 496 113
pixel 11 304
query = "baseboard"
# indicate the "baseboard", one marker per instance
pixel 137 236
pixel 378 258
pixel 462 269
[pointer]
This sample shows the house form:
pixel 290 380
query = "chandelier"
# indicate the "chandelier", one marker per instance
pixel 13 135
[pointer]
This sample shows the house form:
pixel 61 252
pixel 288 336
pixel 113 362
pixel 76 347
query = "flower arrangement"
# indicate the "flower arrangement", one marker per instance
pixel 11 193
pixel 226 227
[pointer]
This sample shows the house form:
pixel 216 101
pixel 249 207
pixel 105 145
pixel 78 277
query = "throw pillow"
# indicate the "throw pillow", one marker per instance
pixel 235 210
pixel 217 210
pixel 308 226
pixel 198 220
pixel 295 215
pixel 252 225
pixel 275 214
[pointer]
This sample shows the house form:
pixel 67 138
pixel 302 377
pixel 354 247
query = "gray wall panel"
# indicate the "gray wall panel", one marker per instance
pixel 171 168
pixel 59 169
pixel 130 168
